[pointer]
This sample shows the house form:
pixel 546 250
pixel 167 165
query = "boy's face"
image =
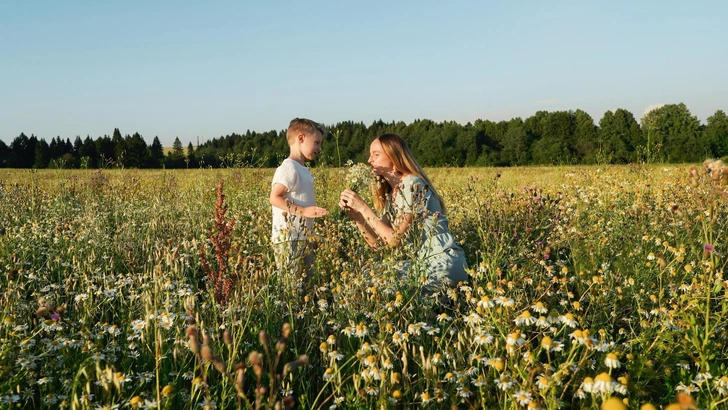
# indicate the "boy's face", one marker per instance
pixel 311 144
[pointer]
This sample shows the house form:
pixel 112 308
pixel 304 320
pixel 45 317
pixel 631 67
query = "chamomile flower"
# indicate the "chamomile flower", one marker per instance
pixel 336 355
pixel 166 319
pixel 114 330
pixel 701 378
pixel 533 405
pixel 496 363
pixel 611 361
pixel 569 320
pixel 543 381
pixel 547 343
pixel 542 323
pixel 554 318
pixel 44 380
pixel 479 381
pixel 206 404
pixel 523 397
pixel 504 381
pixel 525 319
pixel 504 301
pixel 97 356
pixel 587 384
pixel 539 307
pixel 483 339
pixel 328 374
pixel 472 319
pixel 182 292
pixel 602 346
pixel 425 397
pixel 107 407
pixel 578 336
pixel 687 389
pixel 443 318
pixel 86 398
pixel 603 384
pixel 515 339
pixel 464 392
pixel 361 330
pixel 485 302
pixel 721 385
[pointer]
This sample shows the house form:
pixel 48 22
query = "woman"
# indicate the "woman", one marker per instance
pixel 413 213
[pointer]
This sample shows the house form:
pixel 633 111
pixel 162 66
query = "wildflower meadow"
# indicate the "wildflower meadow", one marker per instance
pixel 590 287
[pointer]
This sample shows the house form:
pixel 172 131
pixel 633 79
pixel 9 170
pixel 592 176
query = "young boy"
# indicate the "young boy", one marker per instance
pixel 293 201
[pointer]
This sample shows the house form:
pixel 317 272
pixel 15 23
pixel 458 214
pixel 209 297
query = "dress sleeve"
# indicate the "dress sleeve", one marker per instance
pixel 285 175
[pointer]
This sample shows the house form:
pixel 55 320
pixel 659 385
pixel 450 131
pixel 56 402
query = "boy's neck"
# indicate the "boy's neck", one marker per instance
pixel 298 157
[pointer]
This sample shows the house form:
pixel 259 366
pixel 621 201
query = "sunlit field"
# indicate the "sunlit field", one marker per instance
pixel 590 287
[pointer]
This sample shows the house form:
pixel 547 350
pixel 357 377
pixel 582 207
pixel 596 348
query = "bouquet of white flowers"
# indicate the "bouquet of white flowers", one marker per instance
pixel 359 177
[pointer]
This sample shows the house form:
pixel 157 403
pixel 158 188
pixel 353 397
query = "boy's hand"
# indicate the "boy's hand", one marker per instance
pixel 314 212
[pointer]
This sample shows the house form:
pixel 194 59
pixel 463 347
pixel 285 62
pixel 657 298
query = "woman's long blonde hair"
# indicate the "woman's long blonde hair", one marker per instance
pixel 404 162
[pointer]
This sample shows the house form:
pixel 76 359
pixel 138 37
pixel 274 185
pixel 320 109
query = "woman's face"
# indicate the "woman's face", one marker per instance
pixel 380 162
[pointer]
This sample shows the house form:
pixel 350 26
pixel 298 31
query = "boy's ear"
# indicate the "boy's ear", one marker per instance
pixel 301 137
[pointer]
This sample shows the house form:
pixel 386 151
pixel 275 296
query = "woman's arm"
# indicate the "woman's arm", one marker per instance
pixel 371 226
pixel 366 230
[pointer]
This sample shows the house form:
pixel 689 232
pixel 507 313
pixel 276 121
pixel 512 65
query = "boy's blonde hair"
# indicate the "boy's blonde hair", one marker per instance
pixel 303 126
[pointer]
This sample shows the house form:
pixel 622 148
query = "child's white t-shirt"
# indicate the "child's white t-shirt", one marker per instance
pixel 299 181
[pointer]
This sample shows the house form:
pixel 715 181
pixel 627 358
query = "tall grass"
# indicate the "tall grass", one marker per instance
pixel 157 289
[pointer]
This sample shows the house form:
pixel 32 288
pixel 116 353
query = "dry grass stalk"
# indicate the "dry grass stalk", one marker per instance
pixel 223 279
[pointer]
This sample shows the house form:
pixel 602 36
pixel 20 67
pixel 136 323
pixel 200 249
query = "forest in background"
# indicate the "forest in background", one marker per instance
pixel 669 134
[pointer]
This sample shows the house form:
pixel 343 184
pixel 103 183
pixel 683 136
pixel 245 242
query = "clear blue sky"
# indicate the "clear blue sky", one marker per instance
pixel 190 68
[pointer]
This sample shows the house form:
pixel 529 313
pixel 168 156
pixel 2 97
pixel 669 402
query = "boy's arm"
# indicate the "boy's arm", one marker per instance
pixel 278 200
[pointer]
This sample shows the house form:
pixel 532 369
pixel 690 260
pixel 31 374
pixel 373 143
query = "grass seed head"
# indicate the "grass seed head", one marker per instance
pixel 194 345
pixel 281 344
pixel 43 312
pixel 207 353
pixel 263 338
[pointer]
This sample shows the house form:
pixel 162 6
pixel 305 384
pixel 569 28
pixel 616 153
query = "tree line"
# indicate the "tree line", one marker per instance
pixel 666 134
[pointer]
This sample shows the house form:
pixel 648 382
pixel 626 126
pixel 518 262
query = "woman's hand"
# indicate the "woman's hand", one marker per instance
pixel 351 200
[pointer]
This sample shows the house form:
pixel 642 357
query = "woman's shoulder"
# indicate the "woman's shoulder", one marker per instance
pixel 413 181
